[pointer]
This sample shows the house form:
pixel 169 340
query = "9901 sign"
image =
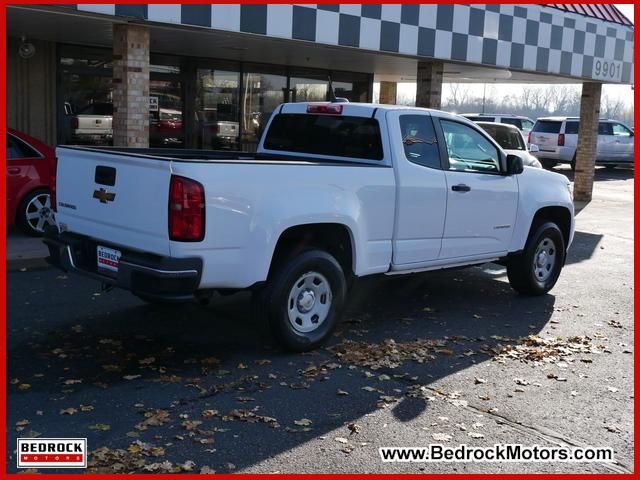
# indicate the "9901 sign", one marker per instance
pixel 607 70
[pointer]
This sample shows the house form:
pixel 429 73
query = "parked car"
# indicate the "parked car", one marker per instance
pixel 165 128
pixel 512 142
pixel 31 166
pixel 93 124
pixel 524 124
pixel 335 191
pixel 557 139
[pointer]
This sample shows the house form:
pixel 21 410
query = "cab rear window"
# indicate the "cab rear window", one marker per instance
pixel 546 126
pixel 326 135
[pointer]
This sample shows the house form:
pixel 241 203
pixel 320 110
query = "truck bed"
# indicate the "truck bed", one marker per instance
pixel 215 156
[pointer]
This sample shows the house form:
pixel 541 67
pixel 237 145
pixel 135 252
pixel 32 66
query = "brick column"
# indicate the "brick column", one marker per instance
pixel 587 141
pixel 130 86
pixel 429 85
pixel 388 93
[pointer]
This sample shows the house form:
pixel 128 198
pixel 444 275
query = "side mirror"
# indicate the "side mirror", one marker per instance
pixel 514 165
pixel 533 148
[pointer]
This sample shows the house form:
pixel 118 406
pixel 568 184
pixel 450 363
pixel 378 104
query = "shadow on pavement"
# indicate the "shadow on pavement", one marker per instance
pixel 123 358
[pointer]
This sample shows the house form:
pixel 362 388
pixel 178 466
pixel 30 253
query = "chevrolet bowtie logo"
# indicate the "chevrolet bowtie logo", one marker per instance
pixel 104 196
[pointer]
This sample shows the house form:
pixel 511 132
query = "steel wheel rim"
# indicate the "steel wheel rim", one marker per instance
pixel 544 260
pixel 39 213
pixel 309 302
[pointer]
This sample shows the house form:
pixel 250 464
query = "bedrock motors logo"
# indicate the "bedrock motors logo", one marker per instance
pixel 52 453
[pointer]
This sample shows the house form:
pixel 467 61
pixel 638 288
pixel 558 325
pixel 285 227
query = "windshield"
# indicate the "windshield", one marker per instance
pixel 507 138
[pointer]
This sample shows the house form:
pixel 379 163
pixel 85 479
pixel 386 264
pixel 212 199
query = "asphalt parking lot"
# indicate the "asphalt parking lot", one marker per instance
pixel 446 357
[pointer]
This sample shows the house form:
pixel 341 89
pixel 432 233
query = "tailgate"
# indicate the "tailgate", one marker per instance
pixel 117 199
pixel 545 134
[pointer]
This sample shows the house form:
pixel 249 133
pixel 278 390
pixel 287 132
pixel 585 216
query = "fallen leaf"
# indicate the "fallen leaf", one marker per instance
pixel 209 413
pixel 24 386
pixel 342 392
pixel 72 381
pixel 341 440
pixel 441 437
pixel 68 411
pixel 100 426
pixel 131 377
pixel 303 422
pixel 354 428
pixel 147 361
pixel 479 380
pixel 475 435
pixel 207 469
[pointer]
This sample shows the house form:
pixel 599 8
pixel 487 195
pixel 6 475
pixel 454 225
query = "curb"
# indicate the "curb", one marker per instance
pixel 17 264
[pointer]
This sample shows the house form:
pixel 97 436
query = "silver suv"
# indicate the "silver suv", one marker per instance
pixel 524 124
pixel 557 141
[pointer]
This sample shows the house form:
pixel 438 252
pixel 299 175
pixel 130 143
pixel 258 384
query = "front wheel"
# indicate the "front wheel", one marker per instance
pixel 304 299
pixel 536 270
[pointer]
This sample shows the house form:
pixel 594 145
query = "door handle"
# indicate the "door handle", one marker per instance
pixel 461 188
pixel 13 170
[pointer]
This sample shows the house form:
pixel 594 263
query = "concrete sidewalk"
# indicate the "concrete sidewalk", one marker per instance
pixel 24 251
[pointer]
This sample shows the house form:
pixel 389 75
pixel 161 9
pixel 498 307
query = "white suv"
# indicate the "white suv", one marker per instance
pixel 557 141
pixel 524 124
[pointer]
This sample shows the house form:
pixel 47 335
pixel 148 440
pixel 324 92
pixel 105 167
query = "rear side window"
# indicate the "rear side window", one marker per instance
pixel 547 126
pixel 419 140
pixel 328 135
pixel 481 119
pixel 571 128
pixel 512 121
pixel 97 109
pixel 17 149
pixel 605 129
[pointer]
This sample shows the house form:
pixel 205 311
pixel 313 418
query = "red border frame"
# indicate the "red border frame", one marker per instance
pixel 3 278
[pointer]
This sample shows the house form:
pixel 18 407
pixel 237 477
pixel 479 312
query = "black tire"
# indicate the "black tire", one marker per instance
pixel 523 274
pixel 27 207
pixel 280 286
pixel 548 164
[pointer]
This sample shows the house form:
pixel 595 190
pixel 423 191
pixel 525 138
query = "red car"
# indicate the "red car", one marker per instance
pixel 31 169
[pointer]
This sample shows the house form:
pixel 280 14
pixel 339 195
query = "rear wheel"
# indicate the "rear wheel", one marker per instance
pixel 35 212
pixel 536 270
pixel 547 164
pixel 304 299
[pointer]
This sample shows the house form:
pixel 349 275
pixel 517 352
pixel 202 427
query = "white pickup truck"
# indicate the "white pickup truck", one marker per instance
pixel 335 191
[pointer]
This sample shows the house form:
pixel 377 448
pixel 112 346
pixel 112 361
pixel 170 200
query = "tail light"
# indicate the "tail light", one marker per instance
pixel 186 210
pixel 330 108
pixel 75 123
pixel 561 139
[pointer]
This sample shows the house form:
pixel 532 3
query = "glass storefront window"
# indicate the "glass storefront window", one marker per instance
pixel 262 94
pixel 217 94
pixel 87 109
pixel 308 89
pixel 166 127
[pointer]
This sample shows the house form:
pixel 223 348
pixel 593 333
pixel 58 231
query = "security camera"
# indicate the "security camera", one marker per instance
pixel 26 49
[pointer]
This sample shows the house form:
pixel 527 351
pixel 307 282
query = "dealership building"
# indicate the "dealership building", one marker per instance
pixel 209 76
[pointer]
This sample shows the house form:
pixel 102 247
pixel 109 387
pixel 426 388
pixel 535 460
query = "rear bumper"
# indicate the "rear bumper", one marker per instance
pixel 560 154
pixel 147 274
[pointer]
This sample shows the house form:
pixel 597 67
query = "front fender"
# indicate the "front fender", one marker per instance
pixel 539 189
